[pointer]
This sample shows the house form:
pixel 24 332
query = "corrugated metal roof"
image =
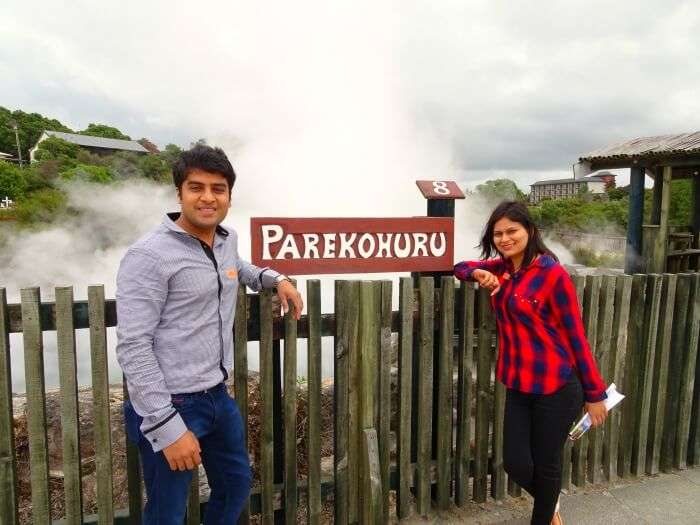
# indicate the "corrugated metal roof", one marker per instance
pixel 685 144
pixel 98 142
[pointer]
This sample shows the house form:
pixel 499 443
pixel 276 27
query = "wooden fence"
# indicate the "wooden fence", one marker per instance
pixel 436 440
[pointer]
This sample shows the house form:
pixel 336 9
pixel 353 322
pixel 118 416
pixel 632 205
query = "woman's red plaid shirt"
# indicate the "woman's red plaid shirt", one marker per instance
pixel 541 338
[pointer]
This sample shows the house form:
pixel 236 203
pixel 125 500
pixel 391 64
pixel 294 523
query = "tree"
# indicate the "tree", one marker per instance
pixel 171 153
pixel 104 131
pixel 152 148
pixel 499 190
pixel 54 148
pixel 154 167
pixel 13 184
pixel 30 126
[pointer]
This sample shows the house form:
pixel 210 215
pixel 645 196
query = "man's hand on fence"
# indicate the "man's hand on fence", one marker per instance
pixel 184 453
pixel 286 292
pixel 598 412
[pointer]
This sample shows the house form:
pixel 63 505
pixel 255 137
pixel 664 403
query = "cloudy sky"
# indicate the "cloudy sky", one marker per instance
pixel 336 92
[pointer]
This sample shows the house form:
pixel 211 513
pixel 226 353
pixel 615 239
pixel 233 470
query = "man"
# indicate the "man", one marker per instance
pixel 176 298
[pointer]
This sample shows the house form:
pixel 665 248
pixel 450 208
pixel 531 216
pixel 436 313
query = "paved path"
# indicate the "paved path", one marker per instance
pixel 664 499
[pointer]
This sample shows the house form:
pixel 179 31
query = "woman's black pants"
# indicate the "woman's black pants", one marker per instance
pixel 535 430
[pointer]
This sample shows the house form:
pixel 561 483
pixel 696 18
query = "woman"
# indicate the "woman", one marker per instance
pixel 544 359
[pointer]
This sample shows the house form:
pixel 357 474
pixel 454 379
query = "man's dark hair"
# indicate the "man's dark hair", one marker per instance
pixel 204 158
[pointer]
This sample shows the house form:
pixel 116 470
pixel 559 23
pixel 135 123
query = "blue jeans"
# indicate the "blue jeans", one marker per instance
pixel 214 418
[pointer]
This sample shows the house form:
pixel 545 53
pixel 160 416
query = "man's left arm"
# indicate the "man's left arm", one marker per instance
pixel 257 278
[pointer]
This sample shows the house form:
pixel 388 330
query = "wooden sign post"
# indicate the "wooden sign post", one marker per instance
pixel 441 196
pixel 307 246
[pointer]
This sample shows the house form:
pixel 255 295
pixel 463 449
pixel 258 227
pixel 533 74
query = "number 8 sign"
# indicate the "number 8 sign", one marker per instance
pixel 440 189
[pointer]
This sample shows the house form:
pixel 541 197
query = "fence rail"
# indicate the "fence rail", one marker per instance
pixel 416 412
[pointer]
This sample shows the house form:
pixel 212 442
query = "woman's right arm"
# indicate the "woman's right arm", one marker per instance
pixel 464 270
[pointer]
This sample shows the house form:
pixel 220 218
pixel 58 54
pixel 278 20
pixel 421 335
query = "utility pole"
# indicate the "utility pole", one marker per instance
pixel 13 123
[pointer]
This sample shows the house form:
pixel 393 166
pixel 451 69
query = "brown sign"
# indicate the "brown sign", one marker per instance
pixel 297 246
pixel 439 189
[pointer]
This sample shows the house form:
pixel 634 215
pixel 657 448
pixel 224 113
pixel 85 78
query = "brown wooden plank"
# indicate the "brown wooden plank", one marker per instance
pixel 615 374
pixel 591 306
pixel 384 397
pixel 602 354
pixel 425 395
pixel 483 394
pixel 677 351
pixel 340 401
pixel 240 373
pixel 266 409
pixel 369 331
pixel 193 511
pixel 646 372
pixel 70 424
pixel 465 363
pixel 693 387
pixel 290 415
pixel 444 392
pixel 100 405
pixel 498 474
pixel 568 452
pixel 313 299
pixel 371 479
pixel 687 376
pixel 354 424
pixel 8 468
pixel 514 489
pixel 36 404
pixel 403 441
pixel 659 385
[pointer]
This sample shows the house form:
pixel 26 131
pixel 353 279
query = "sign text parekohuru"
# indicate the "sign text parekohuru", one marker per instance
pixel 302 246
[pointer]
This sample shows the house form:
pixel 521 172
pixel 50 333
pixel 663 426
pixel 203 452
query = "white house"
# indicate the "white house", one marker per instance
pixel 97 145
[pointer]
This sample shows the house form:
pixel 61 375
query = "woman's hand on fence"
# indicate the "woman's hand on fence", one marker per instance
pixel 487 280
pixel 597 412
pixel 286 292
pixel 184 453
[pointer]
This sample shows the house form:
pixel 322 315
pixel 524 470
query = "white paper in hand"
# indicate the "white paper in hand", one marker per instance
pixel 583 424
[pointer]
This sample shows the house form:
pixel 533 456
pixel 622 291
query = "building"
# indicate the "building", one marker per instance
pixel 567 188
pixel 651 247
pixel 97 145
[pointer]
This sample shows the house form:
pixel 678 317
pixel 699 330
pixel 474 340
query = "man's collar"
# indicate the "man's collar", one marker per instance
pixel 169 222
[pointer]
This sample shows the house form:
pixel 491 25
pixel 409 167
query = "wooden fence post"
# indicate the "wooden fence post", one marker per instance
pixel 36 404
pixel 403 453
pixel 313 289
pixel 465 363
pixel 70 425
pixel 425 396
pixel 8 471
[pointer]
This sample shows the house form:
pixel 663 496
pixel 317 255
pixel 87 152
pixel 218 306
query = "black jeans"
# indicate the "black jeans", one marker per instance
pixel 535 430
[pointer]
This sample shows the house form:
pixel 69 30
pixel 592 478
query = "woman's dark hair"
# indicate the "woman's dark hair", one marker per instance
pixel 204 158
pixel 516 212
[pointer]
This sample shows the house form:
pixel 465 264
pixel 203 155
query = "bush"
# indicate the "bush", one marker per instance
pixel 87 173
pixel 13 183
pixel 40 206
